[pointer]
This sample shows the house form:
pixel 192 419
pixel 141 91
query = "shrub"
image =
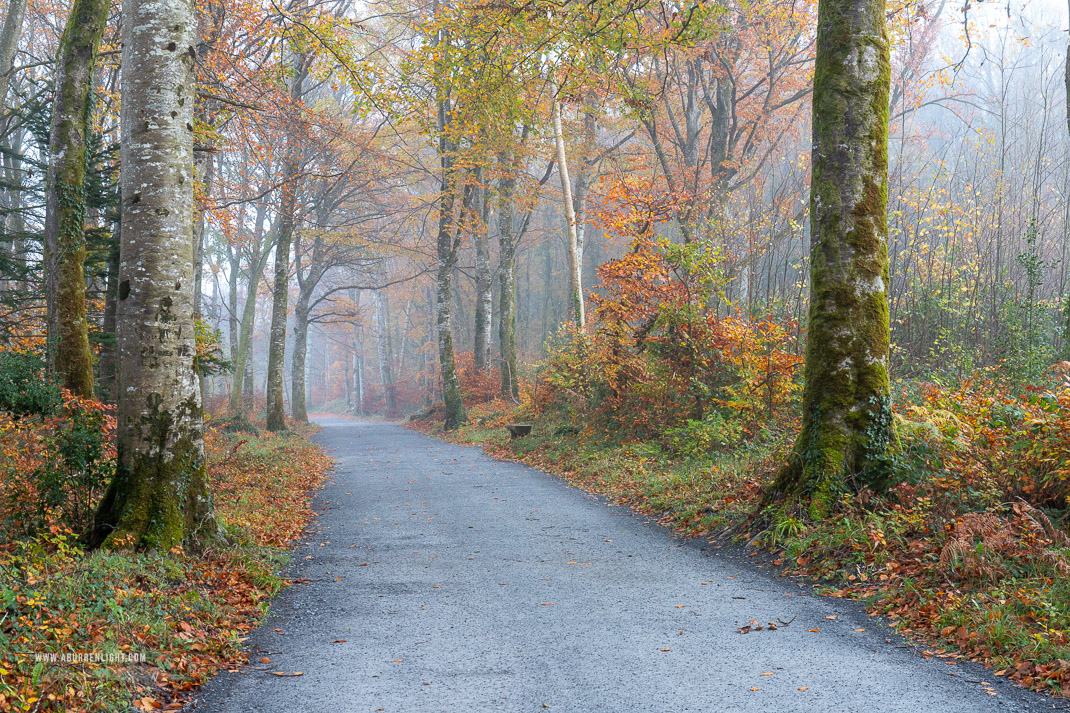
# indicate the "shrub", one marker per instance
pixel 25 389
pixel 55 467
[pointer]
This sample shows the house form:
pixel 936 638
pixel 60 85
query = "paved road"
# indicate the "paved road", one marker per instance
pixel 470 585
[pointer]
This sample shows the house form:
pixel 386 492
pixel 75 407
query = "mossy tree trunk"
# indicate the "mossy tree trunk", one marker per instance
pixel 507 278
pixel 240 356
pixel 298 395
pixel 846 402
pixel 65 213
pixel 306 283
pixel 447 245
pixel 276 408
pixel 159 497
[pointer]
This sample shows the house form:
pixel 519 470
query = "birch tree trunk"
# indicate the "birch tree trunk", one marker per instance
pixel 484 284
pixel 575 286
pixel 65 212
pixel 159 497
pixel 846 399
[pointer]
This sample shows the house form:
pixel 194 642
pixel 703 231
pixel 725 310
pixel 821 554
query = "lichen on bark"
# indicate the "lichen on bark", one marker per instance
pixel 846 398
pixel 159 496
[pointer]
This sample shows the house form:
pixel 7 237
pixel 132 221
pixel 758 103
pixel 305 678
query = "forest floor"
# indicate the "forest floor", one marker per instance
pixel 1013 617
pixel 439 578
pixel 154 625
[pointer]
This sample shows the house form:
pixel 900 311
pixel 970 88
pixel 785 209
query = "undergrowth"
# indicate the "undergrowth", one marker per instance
pixel 88 631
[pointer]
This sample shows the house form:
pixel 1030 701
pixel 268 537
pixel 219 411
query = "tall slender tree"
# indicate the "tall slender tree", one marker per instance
pixel 159 496
pixel 65 216
pixel 575 285
pixel 276 408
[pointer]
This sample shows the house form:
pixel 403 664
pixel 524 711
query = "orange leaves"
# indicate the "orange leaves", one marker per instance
pixel 264 486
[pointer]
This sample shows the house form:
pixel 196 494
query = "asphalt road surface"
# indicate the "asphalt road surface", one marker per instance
pixel 441 580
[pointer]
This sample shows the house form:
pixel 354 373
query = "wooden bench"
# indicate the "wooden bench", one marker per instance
pixel 518 430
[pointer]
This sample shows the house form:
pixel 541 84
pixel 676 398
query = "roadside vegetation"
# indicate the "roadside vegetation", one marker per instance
pixel 154 624
pixel 959 536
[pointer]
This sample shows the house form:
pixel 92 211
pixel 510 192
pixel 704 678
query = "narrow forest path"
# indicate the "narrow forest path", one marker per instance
pixel 460 583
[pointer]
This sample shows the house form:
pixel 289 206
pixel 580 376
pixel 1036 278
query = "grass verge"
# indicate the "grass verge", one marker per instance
pixel 107 631
pixel 989 587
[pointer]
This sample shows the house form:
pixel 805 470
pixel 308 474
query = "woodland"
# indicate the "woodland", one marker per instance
pixel 788 273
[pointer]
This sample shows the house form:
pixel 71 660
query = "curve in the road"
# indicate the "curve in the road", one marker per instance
pixel 441 580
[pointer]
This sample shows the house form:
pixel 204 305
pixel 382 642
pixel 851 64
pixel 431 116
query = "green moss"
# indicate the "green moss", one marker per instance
pixel 846 418
pixel 77 52
pixel 160 497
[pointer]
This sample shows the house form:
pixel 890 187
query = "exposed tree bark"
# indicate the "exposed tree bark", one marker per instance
pixel 846 399
pixel 384 350
pixel 108 386
pixel 575 286
pixel 507 278
pixel 276 408
pixel 9 40
pixel 258 260
pixel 159 496
pixel 65 214
pixel 484 282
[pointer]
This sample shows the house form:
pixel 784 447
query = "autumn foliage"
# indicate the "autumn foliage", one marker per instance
pixel 665 352
pixel 180 614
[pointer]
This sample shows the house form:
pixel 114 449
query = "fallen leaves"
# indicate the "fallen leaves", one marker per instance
pixel 755 625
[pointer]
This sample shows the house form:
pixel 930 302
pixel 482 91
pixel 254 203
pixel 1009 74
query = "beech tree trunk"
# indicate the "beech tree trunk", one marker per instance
pixel 159 497
pixel 9 41
pixel 575 285
pixel 507 280
pixel 298 397
pixel 448 242
pixel 846 399
pixel 384 351
pixel 242 382
pixel 108 368
pixel 276 408
pixel 65 213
